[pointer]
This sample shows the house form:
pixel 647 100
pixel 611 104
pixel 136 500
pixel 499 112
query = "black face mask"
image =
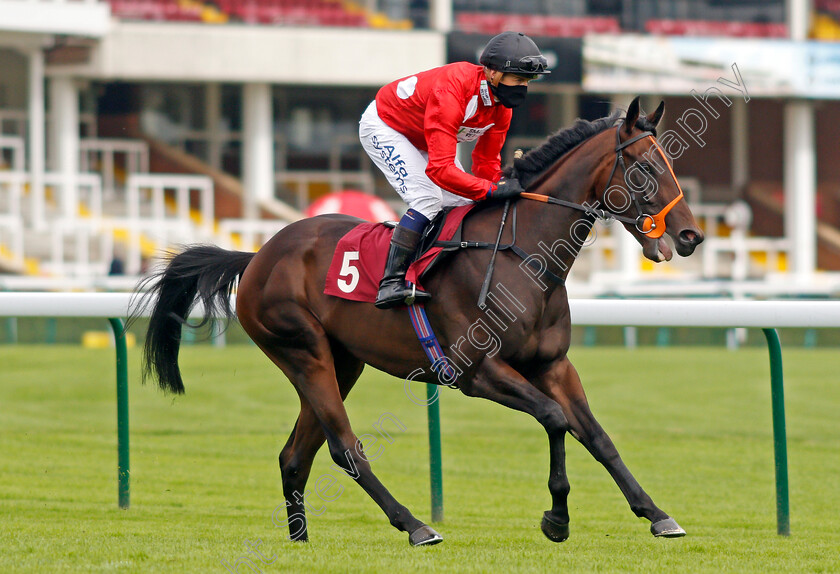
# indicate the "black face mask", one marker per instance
pixel 509 96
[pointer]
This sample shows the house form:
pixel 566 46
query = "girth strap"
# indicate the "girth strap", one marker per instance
pixel 532 263
pixel 447 374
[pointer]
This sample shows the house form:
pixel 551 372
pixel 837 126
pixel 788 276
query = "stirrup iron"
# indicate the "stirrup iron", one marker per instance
pixel 409 300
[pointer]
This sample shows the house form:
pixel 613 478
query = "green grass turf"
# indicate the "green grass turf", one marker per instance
pixel 692 424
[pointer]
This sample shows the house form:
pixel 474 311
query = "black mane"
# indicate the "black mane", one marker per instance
pixel 533 163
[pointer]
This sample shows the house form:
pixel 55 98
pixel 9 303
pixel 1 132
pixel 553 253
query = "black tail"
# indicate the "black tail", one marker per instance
pixel 206 273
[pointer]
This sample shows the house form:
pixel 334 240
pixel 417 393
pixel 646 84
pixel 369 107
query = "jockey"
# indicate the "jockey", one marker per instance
pixel 411 131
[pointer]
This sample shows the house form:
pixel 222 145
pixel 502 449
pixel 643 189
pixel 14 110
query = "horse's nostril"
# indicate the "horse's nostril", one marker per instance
pixel 688 237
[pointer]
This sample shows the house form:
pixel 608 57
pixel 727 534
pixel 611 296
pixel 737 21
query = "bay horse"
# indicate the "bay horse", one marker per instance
pixel 322 343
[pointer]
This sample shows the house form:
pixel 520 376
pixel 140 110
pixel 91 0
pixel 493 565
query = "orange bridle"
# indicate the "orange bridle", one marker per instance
pixel 651 225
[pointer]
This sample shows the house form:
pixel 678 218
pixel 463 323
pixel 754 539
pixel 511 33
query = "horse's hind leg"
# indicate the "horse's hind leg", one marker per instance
pixel 295 464
pixel 562 383
pixel 312 371
pixel 306 439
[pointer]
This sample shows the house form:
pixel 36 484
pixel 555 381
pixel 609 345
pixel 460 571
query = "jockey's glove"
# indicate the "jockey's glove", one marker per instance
pixel 504 188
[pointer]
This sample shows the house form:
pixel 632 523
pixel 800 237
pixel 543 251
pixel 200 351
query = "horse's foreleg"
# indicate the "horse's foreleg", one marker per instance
pixel 562 383
pixel 500 383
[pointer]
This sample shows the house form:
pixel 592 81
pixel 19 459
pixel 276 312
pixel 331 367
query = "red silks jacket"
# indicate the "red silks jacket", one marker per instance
pixel 441 107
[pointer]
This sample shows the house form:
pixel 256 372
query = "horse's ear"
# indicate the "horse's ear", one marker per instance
pixel 632 115
pixel 657 115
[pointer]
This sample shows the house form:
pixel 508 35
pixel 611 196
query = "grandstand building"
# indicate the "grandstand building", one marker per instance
pixel 127 127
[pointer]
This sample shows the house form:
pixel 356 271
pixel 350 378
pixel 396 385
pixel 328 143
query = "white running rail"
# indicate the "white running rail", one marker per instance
pixel 637 313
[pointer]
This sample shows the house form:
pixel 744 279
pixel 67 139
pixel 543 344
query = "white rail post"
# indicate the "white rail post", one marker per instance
pixel 36 136
pixel 65 117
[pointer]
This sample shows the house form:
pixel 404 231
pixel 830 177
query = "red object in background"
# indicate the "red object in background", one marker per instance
pixel 355 203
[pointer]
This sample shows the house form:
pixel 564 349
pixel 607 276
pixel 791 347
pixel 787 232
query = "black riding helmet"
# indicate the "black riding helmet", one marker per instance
pixel 514 53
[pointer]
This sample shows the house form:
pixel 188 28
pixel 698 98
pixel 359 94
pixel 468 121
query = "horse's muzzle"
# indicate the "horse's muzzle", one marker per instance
pixel 687 241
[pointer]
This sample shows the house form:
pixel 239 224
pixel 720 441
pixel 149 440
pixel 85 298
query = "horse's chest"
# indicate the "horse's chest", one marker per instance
pixel 553 342
pixel 551 336
pixel 539 343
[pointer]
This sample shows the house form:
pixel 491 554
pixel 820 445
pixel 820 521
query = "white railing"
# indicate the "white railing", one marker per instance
pixel 150 191
pixel 740 250
pixel 92 250
pixel 88 194
pixel 149 238
pixel 250 233
pixel 42 283
pixel 12 184
pixel 711 217
pixel 596 312
pixel 733 255
pixel 600 251
pixel 81 237
pixel 88 191
pixel 11 240
pixel 101 155
pixel 85 249
pixel 15 148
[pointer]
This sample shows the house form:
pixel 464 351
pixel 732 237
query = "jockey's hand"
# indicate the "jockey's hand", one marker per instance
pixel 504 188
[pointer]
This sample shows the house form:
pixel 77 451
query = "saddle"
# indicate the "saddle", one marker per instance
pixel 359 259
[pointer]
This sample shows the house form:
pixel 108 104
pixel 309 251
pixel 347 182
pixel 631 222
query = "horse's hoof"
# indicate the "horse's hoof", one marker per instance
pixel 553 530
pixel 424 536
pixel 666 528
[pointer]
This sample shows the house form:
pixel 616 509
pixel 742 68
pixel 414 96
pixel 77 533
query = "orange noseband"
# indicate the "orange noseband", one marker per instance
pixel 654 225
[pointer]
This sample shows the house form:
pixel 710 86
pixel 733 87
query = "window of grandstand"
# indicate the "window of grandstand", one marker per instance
pixel 318 128
pixel 174 114
pixel 317 146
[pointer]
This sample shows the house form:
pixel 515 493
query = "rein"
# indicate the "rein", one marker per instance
pixel 651 225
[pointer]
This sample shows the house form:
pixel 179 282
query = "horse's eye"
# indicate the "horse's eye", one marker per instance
pixel 647 167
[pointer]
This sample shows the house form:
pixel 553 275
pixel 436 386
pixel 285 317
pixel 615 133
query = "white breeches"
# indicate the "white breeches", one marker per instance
pixel 404 166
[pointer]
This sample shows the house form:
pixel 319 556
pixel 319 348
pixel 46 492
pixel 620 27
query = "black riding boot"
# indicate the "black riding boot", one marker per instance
pixel 392 289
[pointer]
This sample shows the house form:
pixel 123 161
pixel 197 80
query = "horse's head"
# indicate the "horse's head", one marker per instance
pixel 643 186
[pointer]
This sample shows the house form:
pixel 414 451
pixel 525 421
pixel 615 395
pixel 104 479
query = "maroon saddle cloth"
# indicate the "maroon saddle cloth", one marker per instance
pixel 359 260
